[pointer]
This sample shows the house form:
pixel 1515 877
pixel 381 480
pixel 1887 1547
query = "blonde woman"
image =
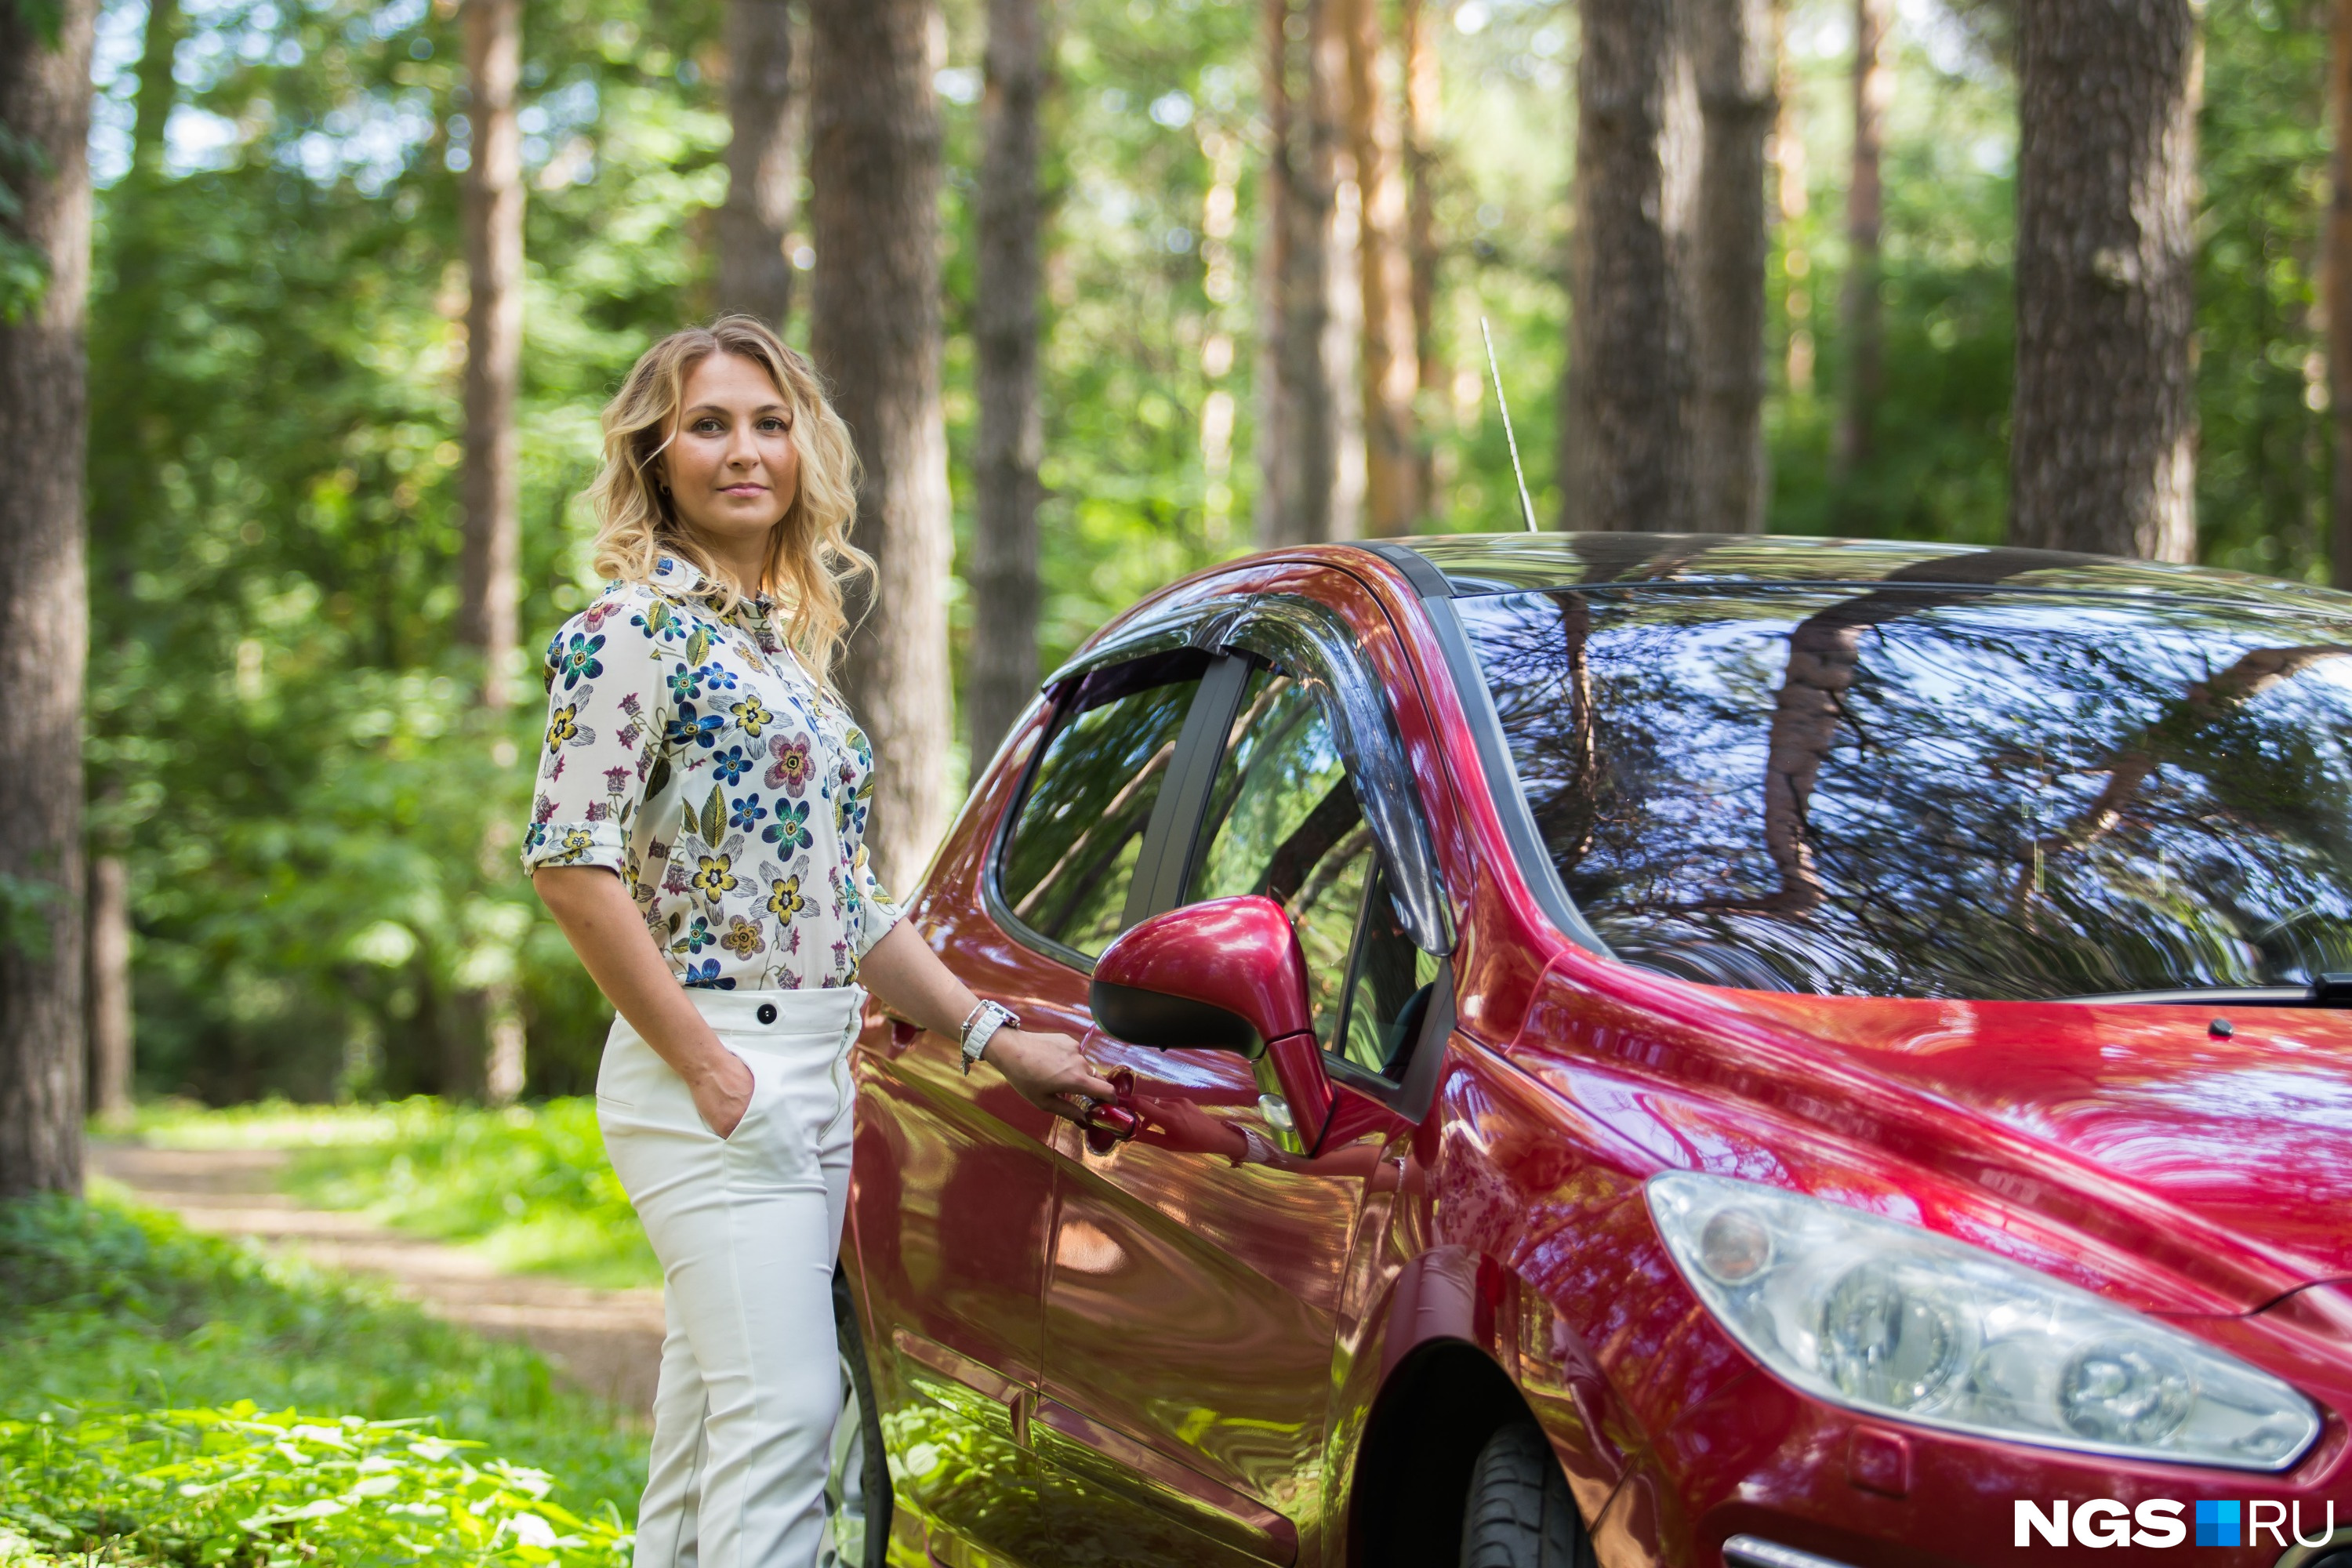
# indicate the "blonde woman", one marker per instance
pixel 697 835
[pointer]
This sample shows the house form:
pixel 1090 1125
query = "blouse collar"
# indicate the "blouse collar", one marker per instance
pixel 680 578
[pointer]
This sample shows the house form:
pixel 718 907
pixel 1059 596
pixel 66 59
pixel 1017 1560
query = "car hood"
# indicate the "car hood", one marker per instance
pixel 2251 1130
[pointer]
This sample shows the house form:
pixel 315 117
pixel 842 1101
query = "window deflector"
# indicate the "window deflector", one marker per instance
pixel 1199 627
pixel 1310 643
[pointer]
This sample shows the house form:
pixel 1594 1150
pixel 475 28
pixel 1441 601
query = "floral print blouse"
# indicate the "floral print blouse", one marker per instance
pixel 694 755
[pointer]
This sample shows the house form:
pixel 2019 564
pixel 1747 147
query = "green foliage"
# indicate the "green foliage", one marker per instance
pixel 2262 387
pixel 24 270
pixel 26 907
pixel 528 1186
pixel 242 1488
pixel 107 1312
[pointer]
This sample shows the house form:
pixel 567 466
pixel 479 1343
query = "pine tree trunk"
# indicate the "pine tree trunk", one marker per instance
pixel 1626 456
pixel 1423 85
pixel 754 276
pixel 1298 435
pixel 1737 101
pixel 875 332
pixel 1390 363
pixel 493 221
pixel 2102 453
pixel 1794 199
pixel 2339 284
pixel 45 96
pixel 111 1057
pixel 1863 326
pixel 1006 596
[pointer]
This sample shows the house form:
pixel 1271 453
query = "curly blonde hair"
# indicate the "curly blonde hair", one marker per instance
pixel 809 551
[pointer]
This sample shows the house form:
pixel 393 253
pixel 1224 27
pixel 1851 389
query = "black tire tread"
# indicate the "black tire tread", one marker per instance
pixel 1520 1513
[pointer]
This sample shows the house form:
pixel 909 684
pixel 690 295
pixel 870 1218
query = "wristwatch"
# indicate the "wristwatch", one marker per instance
pixel 981 1027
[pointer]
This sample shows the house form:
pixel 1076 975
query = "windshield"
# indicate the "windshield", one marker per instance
pixel 1913 792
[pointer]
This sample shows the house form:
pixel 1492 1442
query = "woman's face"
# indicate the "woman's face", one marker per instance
pixel 732 468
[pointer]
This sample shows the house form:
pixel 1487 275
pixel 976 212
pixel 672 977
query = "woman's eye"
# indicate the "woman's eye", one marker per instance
pixel 778 426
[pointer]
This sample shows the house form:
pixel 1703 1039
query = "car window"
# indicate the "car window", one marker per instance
pixel 1071 849
pixel 1902 789
pixel 1390 983
pixel 1283 820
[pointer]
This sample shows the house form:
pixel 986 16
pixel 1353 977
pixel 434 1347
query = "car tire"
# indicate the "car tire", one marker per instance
pixel 857 1471
pixel 1520 1513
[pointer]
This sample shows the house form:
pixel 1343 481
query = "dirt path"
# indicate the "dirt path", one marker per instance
pixel 606 1342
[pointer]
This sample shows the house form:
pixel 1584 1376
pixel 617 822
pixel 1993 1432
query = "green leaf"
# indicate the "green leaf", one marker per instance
pixel 697 646
pixel 659 780
pixel 714 818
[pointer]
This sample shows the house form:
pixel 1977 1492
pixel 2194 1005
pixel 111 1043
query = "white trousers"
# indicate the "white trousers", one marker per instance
pixel 747 1229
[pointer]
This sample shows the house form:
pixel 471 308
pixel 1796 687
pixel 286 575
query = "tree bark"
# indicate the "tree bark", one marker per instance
pixel 1625 434
pixel 1389 358
pixel 111 1058
pixel 1299 432
pixel 1006 595
pixel 1863 324
pixel 2103 455
pixel 493 221
pixel 754 275
pixel 1737 103
pixel 159 46
pixel 43 611
pixel 2338 285
pixel 1794 199
pixel 1422 87
pixel 875 330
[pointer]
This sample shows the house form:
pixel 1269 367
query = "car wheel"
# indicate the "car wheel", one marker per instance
pixel 1520 1514
pixel 857 1477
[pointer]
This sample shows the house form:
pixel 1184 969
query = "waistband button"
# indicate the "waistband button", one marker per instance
pixel 767 1012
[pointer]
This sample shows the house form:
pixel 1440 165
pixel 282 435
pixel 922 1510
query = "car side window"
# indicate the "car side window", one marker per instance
pixel 1390 984
pixel 1282 820
pixel 1072 847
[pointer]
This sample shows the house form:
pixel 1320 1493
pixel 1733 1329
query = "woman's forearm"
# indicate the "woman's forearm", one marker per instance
pixel 908 977
pixel 610 936
pixel 1048 1070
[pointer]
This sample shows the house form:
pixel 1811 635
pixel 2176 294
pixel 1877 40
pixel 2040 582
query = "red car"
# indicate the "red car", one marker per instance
pixel 1637 1049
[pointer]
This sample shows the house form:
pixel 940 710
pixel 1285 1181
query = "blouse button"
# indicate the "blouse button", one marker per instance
pixel 767 1012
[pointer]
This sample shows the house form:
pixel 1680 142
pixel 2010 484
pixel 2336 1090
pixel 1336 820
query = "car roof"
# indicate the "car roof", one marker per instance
pixel 1478 564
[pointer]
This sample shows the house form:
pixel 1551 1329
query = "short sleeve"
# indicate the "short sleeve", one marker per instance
pixel 877 912
pixel 604 730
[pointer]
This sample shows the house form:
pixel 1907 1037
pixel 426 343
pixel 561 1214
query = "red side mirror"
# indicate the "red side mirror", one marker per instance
pixel 1222 976
pixel 1225 975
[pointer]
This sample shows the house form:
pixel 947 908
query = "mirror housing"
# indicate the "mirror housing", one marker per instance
pixel 1222 975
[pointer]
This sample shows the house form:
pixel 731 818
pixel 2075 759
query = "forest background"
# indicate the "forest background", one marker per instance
pixel 301 816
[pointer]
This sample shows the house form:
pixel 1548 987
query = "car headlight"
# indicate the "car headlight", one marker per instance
pixel 1895 1320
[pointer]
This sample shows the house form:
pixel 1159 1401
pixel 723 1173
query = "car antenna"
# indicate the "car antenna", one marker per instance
pixel 1527 507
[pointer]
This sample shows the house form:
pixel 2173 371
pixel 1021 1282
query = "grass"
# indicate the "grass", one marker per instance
pixel 528 1186
pixel 173 1398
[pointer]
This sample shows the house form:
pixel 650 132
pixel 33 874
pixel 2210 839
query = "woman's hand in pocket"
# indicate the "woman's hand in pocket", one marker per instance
pixel 722 1091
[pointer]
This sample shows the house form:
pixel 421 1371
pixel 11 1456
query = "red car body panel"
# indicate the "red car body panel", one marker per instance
pixel 1188 1359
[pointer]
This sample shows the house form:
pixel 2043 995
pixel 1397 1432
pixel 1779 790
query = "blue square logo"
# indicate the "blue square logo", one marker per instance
pixel 2216 1524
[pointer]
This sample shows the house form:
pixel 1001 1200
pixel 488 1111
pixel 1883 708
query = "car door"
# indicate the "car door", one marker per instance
pixel 1189 1306
pixel 952 1202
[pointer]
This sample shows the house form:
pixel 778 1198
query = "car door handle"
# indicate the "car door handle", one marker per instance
pixel 1114 1121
